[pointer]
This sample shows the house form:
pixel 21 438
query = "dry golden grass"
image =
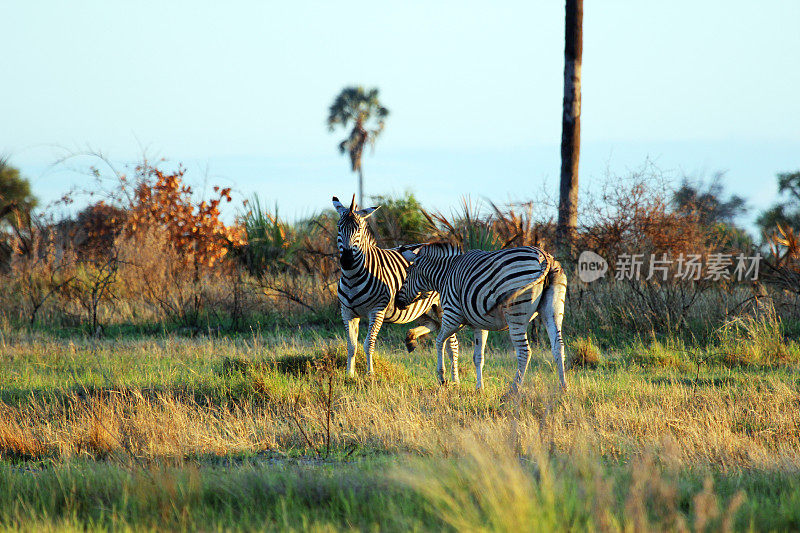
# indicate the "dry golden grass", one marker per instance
pixel 752 423
pixel 626 448
pixel 584 353
pixel 491 483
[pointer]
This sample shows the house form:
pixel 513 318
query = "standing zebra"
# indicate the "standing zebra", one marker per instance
pixel 490 291
pixel 371 276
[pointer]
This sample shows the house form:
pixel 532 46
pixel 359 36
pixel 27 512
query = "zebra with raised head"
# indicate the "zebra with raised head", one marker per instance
pixel 371 277
pixel 490 291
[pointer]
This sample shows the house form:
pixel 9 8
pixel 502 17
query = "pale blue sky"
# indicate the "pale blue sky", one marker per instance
pixel 240 90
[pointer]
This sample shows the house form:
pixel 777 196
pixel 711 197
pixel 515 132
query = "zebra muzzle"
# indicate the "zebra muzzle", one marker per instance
pixel 347 259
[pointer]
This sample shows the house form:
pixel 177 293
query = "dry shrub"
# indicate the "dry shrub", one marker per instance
pixel 194 229
pixel 584 353
pixel 93 231
pixel 632 215
pixel 521 225
pixel 155 275
pixel 65 271
pixel 291 293
pixel 40 269
pixel 153 248
pixel 186 240
pixel 783 269
pixel 155 278
pixel 293 266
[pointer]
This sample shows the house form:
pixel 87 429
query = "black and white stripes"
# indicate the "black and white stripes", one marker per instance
pixel 371 276
pixel 490 291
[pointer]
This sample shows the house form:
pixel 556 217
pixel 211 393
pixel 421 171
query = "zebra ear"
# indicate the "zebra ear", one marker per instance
pixel 410 254
pixel 338 205
pixel 366 213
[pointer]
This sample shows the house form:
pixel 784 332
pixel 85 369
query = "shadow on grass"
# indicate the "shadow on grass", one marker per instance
pixel 302 364
pixel 726 381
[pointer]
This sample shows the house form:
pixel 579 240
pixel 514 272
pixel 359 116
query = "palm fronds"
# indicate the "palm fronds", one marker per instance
pixel 467 228
pixel 270 245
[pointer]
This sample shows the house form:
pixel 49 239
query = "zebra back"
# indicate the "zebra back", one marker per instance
pixel 478 281
pixel 485 280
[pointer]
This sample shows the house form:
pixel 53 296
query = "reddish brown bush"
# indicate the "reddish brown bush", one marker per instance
pixel 195 230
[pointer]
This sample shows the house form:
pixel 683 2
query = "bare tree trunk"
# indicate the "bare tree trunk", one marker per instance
pixel 570 126
pixel 360 187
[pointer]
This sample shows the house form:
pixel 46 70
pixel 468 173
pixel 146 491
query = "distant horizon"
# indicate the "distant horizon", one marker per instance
pixel 429 173
pixel 474 92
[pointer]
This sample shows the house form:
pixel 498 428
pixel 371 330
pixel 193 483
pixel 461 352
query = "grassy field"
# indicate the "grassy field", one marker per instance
pixel 262 431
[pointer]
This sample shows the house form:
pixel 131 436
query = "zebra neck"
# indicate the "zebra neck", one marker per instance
pixel 371 261
pixel 437 274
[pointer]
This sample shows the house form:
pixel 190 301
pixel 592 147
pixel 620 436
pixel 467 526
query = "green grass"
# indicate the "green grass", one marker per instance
pixel 254 493
pixel 166 431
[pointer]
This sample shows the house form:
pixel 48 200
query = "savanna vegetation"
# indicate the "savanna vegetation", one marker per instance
pixel 165 369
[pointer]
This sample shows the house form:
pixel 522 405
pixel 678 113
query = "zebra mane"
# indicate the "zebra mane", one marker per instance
pixel 441 250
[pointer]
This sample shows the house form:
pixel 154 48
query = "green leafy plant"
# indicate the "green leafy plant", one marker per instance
pixel 400 220
pixel 270 244
pixel 466 227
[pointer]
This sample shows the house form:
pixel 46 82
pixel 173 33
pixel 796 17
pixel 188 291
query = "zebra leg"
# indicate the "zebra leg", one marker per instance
pixel 375 323
pixel 414 334
pixel 431 321
pixel 480 343
pixel 519 338
pixel 552 307
pixel 447 330
pixel 351 323
pixel 452 347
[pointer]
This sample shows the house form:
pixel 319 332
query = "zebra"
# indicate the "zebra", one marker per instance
pixel 490 291
pixel 370 278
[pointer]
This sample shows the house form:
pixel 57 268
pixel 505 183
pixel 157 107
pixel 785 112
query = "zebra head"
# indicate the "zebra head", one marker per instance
pixel 429 263
pixel 353 234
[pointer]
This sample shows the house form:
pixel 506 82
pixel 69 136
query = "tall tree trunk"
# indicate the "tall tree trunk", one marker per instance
pixel 570 126
pixel 360 187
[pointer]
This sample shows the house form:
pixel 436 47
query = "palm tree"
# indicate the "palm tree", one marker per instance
pixel 15 194
pixel 570 125
pixel 364 110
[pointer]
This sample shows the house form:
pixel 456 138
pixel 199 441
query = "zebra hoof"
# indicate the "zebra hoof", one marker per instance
pixel 411 344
